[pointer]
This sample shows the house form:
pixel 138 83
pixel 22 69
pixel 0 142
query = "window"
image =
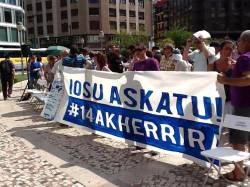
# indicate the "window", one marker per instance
pixel 40 30
pixel 29 7
pixel 64 14
pixel 48 5
pixel 141 15
pixel 3 34
pixel 113 25
pixel 132 2
pixel 14 37
pixel 123 25
pixel 19 16
pixel 63 3
pixel 50 29
pixel 122 12
pixel 75 25
pixel 13 2
pixel 94 11
pixel 132 26
pixel 38 6
pixel 73 1
pixel 93 39
pixel 94 25
pixel 123 1
pixel 141 27
pixel 132 14
pixel 30 19
pixel 112 2
pixel 141 3
pixel 65 27
pixel 93 1
pixel 49 17
pixel 39 18
pixel 74 12
pixel 7 15
pixel 31 30
pixel 112 12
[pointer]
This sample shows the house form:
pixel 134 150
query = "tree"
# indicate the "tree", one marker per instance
pixel 165 41
pixel 124 39
pixel 179 35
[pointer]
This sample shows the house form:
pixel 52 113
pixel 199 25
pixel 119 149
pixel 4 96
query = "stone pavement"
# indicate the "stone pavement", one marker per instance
pixel 34 152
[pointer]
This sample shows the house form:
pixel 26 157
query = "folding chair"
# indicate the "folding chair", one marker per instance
pixel 227 155
pixel 41 100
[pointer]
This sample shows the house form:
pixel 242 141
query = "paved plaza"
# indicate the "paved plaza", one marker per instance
pixel 35 152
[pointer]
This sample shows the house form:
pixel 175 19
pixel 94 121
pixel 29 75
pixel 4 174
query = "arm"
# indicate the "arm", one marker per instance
pixel 205 51
pixel 186 50
pixel 240 82
pixel 88 64
pixel 210 67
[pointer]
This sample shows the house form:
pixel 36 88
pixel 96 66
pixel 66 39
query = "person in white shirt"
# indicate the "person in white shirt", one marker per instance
pixel 203 54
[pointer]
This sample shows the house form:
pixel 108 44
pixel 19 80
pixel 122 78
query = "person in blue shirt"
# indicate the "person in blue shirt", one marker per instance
pixel 74 59
pixel 35 68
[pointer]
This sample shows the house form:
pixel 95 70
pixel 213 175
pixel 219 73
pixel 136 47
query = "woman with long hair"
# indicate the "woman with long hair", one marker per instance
pixel 101 62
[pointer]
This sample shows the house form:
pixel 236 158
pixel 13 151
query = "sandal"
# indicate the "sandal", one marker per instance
pixel 230 176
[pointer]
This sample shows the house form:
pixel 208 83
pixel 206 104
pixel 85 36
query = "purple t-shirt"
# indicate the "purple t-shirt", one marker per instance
pixel 240 96
pixel 149 64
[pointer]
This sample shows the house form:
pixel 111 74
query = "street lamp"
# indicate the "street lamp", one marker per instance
pixel 21 28
pixel 101 36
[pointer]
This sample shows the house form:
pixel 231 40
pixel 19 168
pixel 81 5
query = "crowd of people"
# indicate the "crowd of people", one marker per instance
pixel 230 59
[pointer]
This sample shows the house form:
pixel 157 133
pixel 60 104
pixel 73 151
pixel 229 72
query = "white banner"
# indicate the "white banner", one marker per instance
pixel 163 111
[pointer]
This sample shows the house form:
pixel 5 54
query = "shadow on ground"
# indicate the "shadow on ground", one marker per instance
pixel 114 161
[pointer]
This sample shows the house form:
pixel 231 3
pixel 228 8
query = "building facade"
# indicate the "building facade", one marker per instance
pixel 220 17
pixel 79 22
pixel 11 13
pixel 161 24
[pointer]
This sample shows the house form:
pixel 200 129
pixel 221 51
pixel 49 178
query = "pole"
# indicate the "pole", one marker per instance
pixel 101 43
pixel 20 38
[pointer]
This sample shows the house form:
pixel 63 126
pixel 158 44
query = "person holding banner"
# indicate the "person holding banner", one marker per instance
pixel 144 63
pixel 240 99
pixel 101 62
pixel 225 65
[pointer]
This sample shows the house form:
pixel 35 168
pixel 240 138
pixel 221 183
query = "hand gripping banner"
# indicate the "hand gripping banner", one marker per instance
pixel 176 112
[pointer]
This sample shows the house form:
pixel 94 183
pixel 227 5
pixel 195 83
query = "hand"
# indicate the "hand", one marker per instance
pixel 232 61
pixel 189 42
pixel 221 78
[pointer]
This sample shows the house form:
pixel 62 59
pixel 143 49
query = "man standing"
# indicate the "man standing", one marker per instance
pixel 35 68
pixel 115 60
pixel 74 59
pixel 203 54
pixel 167 61
pixel 7 71
pixel 144 63
pixel 240 98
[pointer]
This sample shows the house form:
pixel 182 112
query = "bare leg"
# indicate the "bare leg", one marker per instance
pixel 237 171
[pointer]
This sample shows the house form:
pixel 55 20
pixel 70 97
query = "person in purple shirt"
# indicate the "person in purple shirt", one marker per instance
pixel 240 99
pixel 144 63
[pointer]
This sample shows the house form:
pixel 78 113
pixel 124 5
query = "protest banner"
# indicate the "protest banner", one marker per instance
pixel 176 112
pixel 51 106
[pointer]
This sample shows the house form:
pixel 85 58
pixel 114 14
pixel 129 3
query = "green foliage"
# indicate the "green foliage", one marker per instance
pixel 163 42
pixel 178 35
pixel 124 40
pixel 19 78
